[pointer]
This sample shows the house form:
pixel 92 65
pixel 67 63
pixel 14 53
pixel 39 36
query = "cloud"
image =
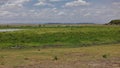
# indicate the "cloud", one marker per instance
pixel 44 3
pixel 87 14
pixel 61 13
pixel 14 4
pixel 76 3
pixel 3 1
pixel 54 0
pixel 7 14
pixel 53 11
pixel 3 13
pixel 116 3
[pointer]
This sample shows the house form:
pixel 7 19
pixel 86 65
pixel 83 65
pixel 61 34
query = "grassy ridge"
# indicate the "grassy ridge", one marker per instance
pixel 75 36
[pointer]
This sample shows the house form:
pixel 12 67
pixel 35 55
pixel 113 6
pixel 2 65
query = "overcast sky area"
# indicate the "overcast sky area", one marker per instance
pixel 59 11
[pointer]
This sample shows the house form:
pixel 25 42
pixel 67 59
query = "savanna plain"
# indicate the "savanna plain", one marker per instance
pixel 87 46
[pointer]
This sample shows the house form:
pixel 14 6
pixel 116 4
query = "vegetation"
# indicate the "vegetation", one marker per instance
pixel 61 46
pixel 69 36
pixel 114 22
pixel 104 56
pixel 55 58
pixel 83 57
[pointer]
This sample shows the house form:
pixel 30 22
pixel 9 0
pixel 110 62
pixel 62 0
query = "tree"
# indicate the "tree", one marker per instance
pixel 114 22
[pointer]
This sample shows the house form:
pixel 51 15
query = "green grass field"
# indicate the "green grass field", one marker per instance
pixel 74 36
pixel 61 47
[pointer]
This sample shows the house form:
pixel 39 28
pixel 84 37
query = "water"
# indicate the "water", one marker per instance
pixel 9 30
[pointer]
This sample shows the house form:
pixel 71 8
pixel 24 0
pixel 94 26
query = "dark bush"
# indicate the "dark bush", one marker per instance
pixel 114 22
pixel 104 56
pixel 55 58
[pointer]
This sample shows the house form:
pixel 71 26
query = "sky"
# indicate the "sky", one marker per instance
pixel 59 11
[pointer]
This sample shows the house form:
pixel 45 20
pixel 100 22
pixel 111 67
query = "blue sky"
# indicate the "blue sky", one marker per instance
pixel 59 11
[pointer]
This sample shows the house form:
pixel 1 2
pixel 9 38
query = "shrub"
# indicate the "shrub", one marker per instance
pixel 104 56
pixel 55 58
pixel 114 22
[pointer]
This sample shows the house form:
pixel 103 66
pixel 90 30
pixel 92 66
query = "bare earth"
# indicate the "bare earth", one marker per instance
pixel 75 64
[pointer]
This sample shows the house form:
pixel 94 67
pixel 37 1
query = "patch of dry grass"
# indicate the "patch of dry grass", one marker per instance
pixel 83 57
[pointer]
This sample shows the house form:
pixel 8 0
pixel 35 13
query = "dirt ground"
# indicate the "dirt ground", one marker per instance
pixel 113 63
pixel 85 57
pixel 73 60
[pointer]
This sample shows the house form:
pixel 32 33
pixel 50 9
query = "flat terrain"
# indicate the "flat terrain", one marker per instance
pixel 60 36
pixel 95 46
pixel 105 56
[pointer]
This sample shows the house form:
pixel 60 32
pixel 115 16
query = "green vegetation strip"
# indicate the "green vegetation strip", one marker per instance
pixel 69 36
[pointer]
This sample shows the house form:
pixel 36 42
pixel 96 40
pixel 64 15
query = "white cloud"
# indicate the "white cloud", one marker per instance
pixel 21 11
pixel 116 3
pixel 2 13
pixel 116 6
pixel 54 0
pixel 43 3
pixel 3 1
pixel 61 13
pixel 76 3
pixel 7 14
pixel 14 4
pixel 87 14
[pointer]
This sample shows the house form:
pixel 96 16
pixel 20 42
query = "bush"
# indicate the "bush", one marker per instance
pixel 114 22
pixel 104 56
pixel 55 58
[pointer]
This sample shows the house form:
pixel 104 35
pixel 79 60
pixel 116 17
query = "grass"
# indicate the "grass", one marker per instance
pixel 70 36
pixel 61 47
pixel 59 56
